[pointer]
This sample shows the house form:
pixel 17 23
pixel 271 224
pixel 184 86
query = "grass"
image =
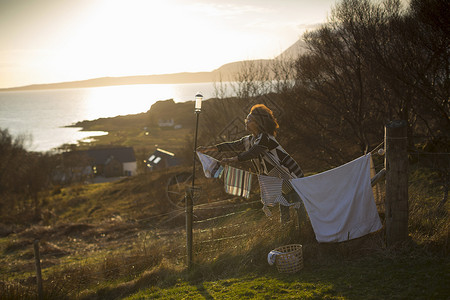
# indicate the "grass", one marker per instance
pixel 125 240
pixel 366 278
pixel 379 276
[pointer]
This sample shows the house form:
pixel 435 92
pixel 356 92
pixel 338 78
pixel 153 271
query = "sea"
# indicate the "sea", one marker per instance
pixel 40 117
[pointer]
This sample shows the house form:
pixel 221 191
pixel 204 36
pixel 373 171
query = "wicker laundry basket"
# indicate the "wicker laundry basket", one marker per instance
pixel 291 259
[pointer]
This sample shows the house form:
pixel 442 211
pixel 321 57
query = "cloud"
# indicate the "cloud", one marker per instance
pixel 311 26
pixel 224 10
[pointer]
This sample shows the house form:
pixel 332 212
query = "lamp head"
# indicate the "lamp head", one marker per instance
pixel 198 102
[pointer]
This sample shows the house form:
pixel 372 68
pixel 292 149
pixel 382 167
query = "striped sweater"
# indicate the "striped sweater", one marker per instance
pixel 266 154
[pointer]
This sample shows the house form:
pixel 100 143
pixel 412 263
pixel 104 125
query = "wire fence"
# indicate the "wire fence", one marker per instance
pixel 430 164
pixel 88 266
pixel 215 224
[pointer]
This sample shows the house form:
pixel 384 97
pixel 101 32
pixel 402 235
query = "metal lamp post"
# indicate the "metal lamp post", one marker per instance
pixel 190 194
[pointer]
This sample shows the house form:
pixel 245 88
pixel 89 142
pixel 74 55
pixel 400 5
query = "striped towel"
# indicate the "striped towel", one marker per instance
pixel 271 193
pixel 286 187
pixel 211 166
pixel 237 182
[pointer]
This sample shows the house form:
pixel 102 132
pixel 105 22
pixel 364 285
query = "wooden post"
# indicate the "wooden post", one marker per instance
pixel 37 258
pixel 189 213
pixel 396 165
pixel 378 177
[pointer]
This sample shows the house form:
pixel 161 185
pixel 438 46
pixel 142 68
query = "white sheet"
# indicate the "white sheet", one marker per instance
pixel 340 202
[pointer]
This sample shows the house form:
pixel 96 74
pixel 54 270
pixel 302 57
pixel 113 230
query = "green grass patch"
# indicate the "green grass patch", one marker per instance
pixel 376 277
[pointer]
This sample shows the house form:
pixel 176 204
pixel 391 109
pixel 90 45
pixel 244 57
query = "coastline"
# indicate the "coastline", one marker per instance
pixel 50 120
pixel 140 131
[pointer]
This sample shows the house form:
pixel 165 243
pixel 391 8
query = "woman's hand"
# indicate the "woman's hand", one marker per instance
pixel 203 149
pixel 228 160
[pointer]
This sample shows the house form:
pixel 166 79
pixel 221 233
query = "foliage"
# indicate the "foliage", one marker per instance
pixel 371 63
pixel 23 177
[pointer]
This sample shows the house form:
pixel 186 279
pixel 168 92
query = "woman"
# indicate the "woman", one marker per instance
pixel 266 154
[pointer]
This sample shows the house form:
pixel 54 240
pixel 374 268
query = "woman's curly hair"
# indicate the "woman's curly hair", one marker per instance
pixel 264 118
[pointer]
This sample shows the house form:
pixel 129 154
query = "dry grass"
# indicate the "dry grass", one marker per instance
pixel 124 237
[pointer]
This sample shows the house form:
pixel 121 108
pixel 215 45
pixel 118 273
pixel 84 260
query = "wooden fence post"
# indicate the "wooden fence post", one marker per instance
pixel 189 239
pixel 396 165
pixel 37 259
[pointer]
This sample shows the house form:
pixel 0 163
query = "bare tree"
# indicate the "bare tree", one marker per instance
pixel 337 94
pixel 37 178
pixel 370 63
pixel 23 177
pixel 11 169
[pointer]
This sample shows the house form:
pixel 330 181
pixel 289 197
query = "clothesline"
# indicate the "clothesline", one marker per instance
pixel 376 148
pixel 256 174
pixel 339 201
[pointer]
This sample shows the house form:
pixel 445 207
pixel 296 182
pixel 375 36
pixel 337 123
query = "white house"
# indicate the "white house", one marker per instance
pixel 112 162
pixel 166 123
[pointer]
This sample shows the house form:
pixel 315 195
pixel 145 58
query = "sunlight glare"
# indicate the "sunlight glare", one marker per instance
pixel 134 37
pixel 124 99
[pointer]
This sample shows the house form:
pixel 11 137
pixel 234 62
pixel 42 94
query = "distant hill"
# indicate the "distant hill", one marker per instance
pixel 225 73
pixel 108 81
pixel 299 47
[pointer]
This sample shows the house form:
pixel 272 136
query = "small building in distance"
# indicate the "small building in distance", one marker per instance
pixel 161 159
pixel 113 168
pixel 86 165
pixel 107 162
pixel 166 123
pixel 170 123
pixel 113 162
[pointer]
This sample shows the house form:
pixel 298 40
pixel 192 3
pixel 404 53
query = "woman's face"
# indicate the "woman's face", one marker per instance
pixel 251 125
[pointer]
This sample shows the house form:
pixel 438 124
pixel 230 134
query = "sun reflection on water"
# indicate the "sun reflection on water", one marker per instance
pixel 112 101
pixel 123 100
pixel 44 114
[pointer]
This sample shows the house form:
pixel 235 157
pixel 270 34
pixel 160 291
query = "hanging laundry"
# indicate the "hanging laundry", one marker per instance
pixel 271 192
pixel 237 182
pixel 211 166
pixel 340 202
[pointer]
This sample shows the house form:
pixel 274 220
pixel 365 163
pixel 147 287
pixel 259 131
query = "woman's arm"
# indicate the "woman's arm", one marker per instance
pixel 252 153
pixel 237 146
pixel 255 151
pixel 204 149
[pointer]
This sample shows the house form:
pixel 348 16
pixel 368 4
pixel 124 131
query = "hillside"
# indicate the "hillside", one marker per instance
pixel 124 240
pixel 141 131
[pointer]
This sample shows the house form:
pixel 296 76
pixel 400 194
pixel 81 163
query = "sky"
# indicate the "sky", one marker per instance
pixel 47 41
